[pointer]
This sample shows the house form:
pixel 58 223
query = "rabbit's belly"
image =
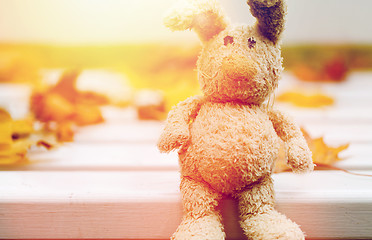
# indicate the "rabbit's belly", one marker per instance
pixel 232 145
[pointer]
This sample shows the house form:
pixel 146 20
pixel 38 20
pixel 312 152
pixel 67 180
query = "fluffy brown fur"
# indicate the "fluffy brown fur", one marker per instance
pixel 228 139
pixel 270 15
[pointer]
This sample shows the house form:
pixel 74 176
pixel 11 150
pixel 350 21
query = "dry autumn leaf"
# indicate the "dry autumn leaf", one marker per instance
pixel 5 127
pixel 323 155
pixel 66 87
pixel 65 132
pixel 64 105
pixel 150 105
pixel 22 128
pixel 301 99
pixel 14 141
pixel 12 151
pixel 51 107
pixel 86 115
pixel 8 155
pixel 333 70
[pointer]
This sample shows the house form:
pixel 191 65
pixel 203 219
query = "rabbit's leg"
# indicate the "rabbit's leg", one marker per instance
pixel 201 220
pixel 259 219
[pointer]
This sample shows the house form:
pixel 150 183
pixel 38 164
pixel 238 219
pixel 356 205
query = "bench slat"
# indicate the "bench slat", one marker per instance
pixel 127 156
pixel 116 204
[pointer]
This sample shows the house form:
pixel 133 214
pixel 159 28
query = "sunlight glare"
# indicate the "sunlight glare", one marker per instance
pixel 84 21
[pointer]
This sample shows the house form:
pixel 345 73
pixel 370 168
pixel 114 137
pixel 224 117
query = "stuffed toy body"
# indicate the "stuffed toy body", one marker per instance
pixel 228 139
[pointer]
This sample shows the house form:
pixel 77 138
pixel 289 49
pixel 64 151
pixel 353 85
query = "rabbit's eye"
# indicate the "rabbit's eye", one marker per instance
pixel 228 40
pixel 251 42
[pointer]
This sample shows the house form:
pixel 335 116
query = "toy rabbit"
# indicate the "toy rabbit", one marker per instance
pixel 228 139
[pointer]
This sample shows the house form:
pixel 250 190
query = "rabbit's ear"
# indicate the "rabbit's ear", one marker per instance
pixel 205 17
pixel 270 16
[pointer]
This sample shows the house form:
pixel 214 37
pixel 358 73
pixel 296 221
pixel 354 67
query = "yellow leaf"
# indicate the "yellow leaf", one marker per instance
pixel 64 105
pixel 85 115
pixel 22 128
pixel 65 132
pixel 5 149
pixel 16 153
pixel 300 99
pixel 323 155
pixel 13 144
pixel 5 127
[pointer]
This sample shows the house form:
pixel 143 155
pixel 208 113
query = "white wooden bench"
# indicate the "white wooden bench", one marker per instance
pixel 111 182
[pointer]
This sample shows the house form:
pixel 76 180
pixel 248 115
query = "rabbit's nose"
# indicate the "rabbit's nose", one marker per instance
pixel 239 67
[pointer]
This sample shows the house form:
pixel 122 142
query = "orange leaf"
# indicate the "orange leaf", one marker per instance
pixel 85 115
pixel 64 107
pixel 15 139
pixel 5 127
pixel 301 99
pixel 65 132
pixel 323 155
pixel 10 151
pixel 22 128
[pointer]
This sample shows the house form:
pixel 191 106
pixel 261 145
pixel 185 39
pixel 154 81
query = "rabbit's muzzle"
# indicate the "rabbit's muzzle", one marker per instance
pixel 239 68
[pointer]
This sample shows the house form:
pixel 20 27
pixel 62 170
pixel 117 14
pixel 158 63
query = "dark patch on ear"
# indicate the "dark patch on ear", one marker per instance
pixel 270 17
pixel 251 43
pixel 228 40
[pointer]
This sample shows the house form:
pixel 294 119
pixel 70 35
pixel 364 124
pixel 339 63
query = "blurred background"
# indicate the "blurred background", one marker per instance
pixel 74 22
pixel 128 37
pixel 74 56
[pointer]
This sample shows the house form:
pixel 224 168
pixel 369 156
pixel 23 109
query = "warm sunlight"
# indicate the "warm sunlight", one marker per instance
pixel 123 21
pixel 83 21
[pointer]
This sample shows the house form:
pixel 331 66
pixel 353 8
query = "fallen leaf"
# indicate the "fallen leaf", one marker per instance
pixel 150 105
pixel 323 154
pixel 22 128
pixel 66 106
pixel 306 73
pixel 66 87
pixel 5 128
pixel 306 100
pixel 10 151
pixel 334 69
pixel 14 139
pixel 65 132
pixel 86 115
pixel 44 144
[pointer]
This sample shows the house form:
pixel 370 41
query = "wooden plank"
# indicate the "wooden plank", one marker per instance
pixel 328 115
pixel 149 132
pixel 98 157
pixel 356 157
pixel 355 82
pixel 59 205
pixel 116 204
pixel 135 132
pixel 354 91
pixel 118 156
pixel 335 133
pixel 114 114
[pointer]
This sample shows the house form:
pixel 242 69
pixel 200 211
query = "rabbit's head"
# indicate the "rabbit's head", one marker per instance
pixel 238 63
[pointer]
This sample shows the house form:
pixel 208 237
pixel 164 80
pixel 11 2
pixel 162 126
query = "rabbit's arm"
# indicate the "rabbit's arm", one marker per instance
pixel 176 131
pixel 298 153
